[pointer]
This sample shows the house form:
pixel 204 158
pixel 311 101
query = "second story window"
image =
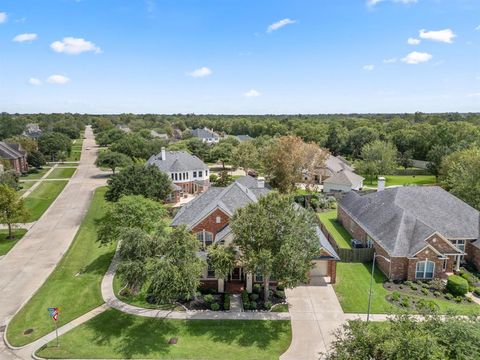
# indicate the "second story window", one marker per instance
pixel 194 174
pixel 200 174
pixel 205 238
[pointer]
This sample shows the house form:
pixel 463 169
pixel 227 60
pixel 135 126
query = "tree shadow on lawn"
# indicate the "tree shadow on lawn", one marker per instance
pixel 245 333
pixel 99 265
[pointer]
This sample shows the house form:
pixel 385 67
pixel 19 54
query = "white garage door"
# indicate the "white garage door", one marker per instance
pixel 320 268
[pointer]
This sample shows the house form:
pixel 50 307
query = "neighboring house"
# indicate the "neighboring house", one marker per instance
pixel 157 135
pixel 424 231
pixel 343 181
pixel 32 131
pixel 243 138
pixel 206 135
pixel 189 174
pixel 208 216
pixel 15 155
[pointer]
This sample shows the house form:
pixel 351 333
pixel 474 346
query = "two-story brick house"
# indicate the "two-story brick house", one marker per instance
pixel 15 156
pixel 189 174
pixel 208 217
pixel 424 231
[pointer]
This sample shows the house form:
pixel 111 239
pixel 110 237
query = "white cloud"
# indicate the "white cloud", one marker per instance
pixel 74 46
pixel 3 17
pixel 25 37
pixel 474 95
pixel 369 67
pixel 478 28
pixel 413 41
pixel 446 35
pixel 375 2
pixel 201 72
pixel 416 57
pixel 58 79
pixel 252 93
pixel 280 24
pixel 389 61
pixel 34 81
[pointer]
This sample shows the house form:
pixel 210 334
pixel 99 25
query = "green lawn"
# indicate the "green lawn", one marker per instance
pixel 353 281
pixel 74 155
pixel 42 197
pixel 339 233
pixel 35 176
pixel 115 335
pixel 74 285
pixel 7 244
pixel 395 180
pixel 26 185
pixel 61 173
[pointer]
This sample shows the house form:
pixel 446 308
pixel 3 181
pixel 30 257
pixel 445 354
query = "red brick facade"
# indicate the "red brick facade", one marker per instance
pixel 473 254
pixel 20 165
pixel 403 268
pixel 210 223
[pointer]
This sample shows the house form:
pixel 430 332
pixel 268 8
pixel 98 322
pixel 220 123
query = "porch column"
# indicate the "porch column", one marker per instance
pixel 249 282
pixel 221 285
pixel 457 264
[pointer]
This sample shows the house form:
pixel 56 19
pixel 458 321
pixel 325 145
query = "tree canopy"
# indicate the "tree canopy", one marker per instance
pixel 12 208
pixel 112 160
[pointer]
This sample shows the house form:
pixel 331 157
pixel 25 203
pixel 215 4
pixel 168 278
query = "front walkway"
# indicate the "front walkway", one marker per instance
pixel 315 314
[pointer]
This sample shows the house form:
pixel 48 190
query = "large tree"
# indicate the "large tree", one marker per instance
pixel 246 156
pixel 176 270
pixel 112 160
pixel 138 179
pixel 222 152
pixel 51 144
pixel 288 158
pixel 222 259
pixel 435 157
pixel 12 208
pixel 378 158
pixel 130 212
pixel 404 337
pixel 460 174
pixel 276 238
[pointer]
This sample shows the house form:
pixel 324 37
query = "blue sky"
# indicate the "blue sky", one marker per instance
pixel 239 56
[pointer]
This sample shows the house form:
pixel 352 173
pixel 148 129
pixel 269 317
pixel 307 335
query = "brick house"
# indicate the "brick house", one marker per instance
pixel 15 156
pixel 189 174
pixel 425 232
pixel 208 216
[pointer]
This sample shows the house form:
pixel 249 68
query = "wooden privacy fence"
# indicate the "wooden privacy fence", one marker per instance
pixel 348 255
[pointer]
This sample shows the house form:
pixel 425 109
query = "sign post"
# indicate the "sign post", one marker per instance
pixel 54 315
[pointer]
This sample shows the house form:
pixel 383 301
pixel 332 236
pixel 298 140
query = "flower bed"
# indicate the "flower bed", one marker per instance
pixel 209 300
pixel 255 300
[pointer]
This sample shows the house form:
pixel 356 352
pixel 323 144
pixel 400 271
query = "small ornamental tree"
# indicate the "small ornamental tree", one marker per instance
pixel 12 208
pixel 148 181
pixel 112 160
pixel 52 143
pixel 277 238
pixel 177 269
pixel 222 259
pixel 130 212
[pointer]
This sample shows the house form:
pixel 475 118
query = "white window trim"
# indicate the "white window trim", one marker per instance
pixel 426 261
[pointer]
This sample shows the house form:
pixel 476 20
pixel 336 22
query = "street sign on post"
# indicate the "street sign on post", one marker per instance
pixel 53 312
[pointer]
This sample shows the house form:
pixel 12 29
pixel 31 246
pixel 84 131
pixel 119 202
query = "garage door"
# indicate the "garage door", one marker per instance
pixel 320 268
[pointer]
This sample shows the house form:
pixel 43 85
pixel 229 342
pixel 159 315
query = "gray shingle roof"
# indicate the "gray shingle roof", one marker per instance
pixel 243 137
pixel 204 133
pixel 10 151
pixel 400 219
pixel 336 164
pixel 228 199
pixel 344 177
pixel 324 244
pixel 177 161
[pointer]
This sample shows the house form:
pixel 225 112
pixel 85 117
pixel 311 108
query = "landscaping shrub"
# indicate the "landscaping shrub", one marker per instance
pixel 268 305
pixel 437 293
pixel 257 288
pixel 280 287
pixel 476 291
pixel 254 297
pixel 426 286
pixel 253 305
pixel 395 296
pixel 215 307
pixel 405 302
pixel 425 291
pixel 457 285
pixel 226 301
pixel 245 296
pixel 208 298
pixel 470 300
pixel 472 279
pixel 246 305
pixel 280 294
pixel 408 283
pixel 413 287
pixel 448 296
pixel 458 299
pixel 437 285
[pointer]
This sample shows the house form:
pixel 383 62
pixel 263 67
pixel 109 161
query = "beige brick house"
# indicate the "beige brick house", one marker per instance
pixel 426 232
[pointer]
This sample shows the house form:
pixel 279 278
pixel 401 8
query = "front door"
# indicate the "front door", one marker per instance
pixel 236 274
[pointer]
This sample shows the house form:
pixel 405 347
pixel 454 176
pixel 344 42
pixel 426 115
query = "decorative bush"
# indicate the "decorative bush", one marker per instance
pixel 472 279
pixel 408 283
pixel 470 300
pixel 280 287
pixel 253 305
pixel 280 294
pixel 215 307
pixel 226 301
pixel 268 305
pixel 425 291
pixel 414 287
pixel 405 302
pixel 254 297
pixel 245 296
pixel 437 285
pixel 448 296
pixel 437 293
pixel 246 305
pixel 395 296
pixel 257 288
pixel 458 299
pixel 476 291
pixel 457 285
pixel 208 298
pixel 426 286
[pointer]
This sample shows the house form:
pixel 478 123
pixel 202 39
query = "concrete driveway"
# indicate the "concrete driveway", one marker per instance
pixel 315 314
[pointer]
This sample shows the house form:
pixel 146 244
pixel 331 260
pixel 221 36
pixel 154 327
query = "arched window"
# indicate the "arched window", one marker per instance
pixel 424 269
